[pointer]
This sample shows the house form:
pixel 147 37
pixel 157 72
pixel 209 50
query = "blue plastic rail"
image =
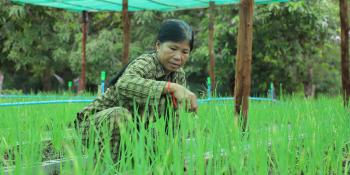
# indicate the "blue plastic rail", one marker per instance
pixel 200 101
pixel 43 96
pixel 45 102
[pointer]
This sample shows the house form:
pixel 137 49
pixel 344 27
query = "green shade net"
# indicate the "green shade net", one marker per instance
pixel 134 5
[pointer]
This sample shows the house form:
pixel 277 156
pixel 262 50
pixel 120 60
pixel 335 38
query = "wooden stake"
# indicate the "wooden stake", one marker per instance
pixel 126 31
pixel 83 58
pixel 344 22
pixel 211 45
pixel 244 59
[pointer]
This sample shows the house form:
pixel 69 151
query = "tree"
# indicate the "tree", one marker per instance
pixel 290 40
pixel 39 51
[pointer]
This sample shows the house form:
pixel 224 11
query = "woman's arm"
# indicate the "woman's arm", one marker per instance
pixel 134 85
pixel 182 94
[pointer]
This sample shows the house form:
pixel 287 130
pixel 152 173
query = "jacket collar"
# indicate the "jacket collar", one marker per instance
pixel 160 72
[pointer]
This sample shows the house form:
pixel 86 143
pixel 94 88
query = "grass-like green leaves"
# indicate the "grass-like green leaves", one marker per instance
pixel 293 136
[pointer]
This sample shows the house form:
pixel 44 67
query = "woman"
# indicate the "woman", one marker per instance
pixel 142 87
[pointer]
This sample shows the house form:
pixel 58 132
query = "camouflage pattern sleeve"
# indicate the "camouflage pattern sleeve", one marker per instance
pixel 137 84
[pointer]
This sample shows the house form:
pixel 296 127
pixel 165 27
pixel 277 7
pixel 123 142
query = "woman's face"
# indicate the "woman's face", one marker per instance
pixel 173 55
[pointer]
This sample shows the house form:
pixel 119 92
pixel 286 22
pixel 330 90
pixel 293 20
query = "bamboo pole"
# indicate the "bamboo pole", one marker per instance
pixel 126 31
pixel 211 45
pixel 244 59
pixel 344 22
pixel 83 58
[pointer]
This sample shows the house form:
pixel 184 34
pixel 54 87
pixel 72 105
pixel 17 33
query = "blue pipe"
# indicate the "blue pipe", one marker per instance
pixel 102 87
pixel 200 101
pixel 41 96
pixel 231 98
pixel 45 102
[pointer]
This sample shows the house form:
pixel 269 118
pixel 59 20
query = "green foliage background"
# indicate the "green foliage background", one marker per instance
pixel 289 40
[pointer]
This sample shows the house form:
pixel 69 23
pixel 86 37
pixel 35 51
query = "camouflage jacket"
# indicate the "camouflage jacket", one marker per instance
pixel 141 84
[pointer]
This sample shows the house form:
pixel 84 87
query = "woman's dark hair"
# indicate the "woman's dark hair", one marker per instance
pixel 116 77
pixel 175 30
pixel 170 30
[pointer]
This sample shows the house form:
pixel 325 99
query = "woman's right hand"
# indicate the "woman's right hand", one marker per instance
pixel 182 94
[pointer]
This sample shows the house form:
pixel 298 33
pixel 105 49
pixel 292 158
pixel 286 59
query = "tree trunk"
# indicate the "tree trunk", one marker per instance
pixel 211 45
pixel 309 86
pixel 126 31
pixel 344 22
pixel 47 86
pixel 244 59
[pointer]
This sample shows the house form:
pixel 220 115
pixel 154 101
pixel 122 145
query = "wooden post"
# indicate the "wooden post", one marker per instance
pixel 1 80
pixel 126 31
pixel 83 58
pixel 244 59
pixel 211 45
pixel 344 22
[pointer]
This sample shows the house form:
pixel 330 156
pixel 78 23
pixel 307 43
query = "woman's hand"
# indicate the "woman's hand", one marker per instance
pixel 182 94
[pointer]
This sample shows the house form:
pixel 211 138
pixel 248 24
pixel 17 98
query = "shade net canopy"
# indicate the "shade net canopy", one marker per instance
pixel 133 5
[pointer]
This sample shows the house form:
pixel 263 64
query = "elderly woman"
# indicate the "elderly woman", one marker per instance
pixel 147 84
